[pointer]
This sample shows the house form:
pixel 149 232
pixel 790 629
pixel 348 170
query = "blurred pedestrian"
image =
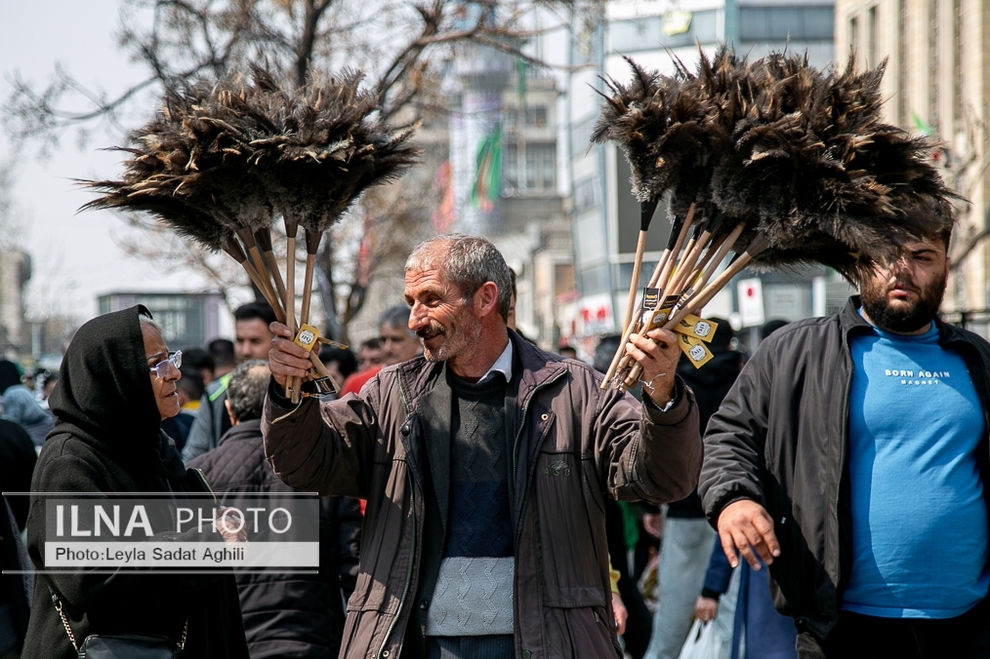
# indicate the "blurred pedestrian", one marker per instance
pixel 285 615
pixel 399 343
pixel 757 630
pixel 20 405
pixel 252 341
pixel 17 460
pixel 340 363
pixel 370 354
pixel 224 357
pixel 201 361
pixel 47 386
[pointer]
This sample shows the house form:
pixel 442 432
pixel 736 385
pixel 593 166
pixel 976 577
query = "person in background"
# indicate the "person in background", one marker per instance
pixel 569 352
pixel 201 361
pixel 285 615
pixel 369 354
pixel 17 460
pixel 20 406
pixel 340 362
pixel 399 343
pixel 758 631
pixel 770 327
pixel 51 379
pixel 224 357
pixel 252 341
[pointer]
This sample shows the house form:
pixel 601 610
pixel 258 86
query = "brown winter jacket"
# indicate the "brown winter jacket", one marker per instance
pixel 575 444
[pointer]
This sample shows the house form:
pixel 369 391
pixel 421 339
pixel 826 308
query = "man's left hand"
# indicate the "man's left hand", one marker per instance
pixel 657 353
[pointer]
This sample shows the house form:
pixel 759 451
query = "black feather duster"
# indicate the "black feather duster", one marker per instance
pixel 796 162
pixel 224 160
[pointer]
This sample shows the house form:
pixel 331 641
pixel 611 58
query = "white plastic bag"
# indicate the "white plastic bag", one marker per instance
pixel 702 643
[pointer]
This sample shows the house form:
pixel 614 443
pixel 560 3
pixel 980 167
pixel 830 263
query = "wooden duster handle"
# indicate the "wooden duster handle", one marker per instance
pixel 662 270
pixel 291 228
pixel 312 246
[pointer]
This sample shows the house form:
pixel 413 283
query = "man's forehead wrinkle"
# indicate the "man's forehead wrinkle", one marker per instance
pixel 431 286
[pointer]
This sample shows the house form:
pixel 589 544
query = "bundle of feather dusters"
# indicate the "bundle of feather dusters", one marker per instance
pixel 220 163
pixel 772 161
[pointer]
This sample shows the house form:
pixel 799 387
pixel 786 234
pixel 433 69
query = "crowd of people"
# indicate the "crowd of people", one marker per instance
pixel 482 498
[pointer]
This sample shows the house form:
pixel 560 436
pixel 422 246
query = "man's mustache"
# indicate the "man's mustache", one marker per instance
pixel 428 332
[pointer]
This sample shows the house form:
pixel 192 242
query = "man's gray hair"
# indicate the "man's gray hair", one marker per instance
pixel 468 262
pixel 247 388
pixel 397 316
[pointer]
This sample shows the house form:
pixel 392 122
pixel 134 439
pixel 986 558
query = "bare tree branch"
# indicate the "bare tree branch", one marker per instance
pixel 405 46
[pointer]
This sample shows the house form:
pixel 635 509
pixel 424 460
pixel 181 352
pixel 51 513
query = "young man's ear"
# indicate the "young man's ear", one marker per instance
pixel 230 412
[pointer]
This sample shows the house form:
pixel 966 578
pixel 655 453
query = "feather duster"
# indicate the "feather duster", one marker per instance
pixel 786 164
pixel 224 160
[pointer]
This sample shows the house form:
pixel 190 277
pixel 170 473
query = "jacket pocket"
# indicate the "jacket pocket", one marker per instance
pixel 572 532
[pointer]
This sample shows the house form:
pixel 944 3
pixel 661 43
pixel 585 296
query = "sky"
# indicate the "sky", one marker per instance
pixel 74 256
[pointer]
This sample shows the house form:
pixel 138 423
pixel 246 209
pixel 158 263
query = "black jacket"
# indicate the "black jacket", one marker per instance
pixel 288 615
pixel 107 440
pixel 781 438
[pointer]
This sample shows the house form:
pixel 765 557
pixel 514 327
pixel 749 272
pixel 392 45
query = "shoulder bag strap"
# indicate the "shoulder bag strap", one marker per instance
pixel 72 637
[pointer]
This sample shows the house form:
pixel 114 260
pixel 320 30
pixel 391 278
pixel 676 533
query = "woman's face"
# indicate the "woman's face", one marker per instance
pixel 166 395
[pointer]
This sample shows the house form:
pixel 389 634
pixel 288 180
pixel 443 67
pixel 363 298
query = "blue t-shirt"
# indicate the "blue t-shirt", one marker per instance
pixel 919 520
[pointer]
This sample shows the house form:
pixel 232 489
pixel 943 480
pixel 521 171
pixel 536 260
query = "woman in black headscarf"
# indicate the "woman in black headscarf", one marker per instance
pixel 116 384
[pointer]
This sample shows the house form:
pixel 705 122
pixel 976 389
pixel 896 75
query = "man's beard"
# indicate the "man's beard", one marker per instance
pixel 434 329
pixel 904 319
pixel 457 338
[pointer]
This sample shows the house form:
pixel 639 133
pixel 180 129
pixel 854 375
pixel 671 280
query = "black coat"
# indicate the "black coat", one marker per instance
pixel 17 459
pixel 288 615
pixel 107 439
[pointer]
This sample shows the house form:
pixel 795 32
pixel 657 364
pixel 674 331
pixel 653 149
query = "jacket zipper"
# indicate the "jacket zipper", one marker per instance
pixel 515 443
pixel 382 652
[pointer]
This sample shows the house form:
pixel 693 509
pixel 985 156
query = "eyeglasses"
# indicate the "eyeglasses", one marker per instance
pixel 161 368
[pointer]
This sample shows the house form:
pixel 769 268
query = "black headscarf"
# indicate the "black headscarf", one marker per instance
pixel 104 395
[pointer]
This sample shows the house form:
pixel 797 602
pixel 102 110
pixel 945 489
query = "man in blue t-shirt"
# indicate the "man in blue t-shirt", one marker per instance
pixel 852 457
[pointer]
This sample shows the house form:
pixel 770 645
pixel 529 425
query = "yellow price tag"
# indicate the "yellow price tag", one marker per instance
pixel 307 337
pixel 695 350
pixel 697 327
pixel 657 313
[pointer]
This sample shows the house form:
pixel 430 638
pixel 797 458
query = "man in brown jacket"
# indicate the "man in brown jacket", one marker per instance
pixel 484 462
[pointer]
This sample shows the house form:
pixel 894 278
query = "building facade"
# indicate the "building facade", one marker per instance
pixel 937 55
pixel 15 332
